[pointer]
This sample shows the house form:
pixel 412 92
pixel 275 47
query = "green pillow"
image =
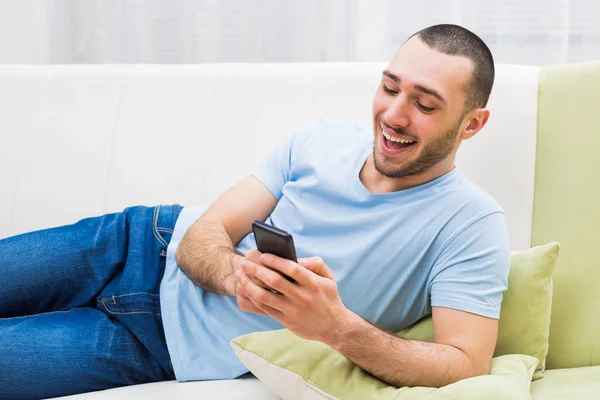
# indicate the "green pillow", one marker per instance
pixel 279 357
pixel 524 324
pixel 295 368
pixel 525 314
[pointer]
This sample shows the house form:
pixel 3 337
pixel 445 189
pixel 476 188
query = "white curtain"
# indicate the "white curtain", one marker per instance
pixel 533 32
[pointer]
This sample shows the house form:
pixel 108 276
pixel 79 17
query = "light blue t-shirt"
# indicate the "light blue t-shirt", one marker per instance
pixel 394 255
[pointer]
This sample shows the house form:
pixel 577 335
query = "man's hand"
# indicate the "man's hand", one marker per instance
pixel 311 307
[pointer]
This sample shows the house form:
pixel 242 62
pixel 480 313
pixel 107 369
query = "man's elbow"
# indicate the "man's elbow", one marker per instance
pixel 477 367
pixel 469 366
pixel 183 252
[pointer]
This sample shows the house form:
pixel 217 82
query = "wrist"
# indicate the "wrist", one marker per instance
pixel 343 328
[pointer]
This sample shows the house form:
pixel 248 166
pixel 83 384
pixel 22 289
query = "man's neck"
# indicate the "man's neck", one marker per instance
pixel 376 183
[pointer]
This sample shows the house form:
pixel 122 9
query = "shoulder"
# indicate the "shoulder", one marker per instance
pixel 473 198
pixel 470 210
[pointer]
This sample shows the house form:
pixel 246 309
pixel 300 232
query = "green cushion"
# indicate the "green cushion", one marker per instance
pixel 567 195
pixel 525 314
pixel 295 368
pixel 569 383
pixel 524 324
pixel 280 358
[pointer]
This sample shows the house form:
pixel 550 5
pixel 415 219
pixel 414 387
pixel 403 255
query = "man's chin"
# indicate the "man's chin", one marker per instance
pixel 393 174
pixel 389 171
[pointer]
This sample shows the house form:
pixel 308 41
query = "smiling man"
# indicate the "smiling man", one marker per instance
pixel 389 229
pixel 388 232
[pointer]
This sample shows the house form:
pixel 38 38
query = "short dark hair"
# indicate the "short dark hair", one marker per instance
pixel 456 40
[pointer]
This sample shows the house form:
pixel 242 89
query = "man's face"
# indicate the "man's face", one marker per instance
pixel 420 106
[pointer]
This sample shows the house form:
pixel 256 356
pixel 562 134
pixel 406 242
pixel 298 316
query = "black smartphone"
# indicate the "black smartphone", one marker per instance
pixel 270 239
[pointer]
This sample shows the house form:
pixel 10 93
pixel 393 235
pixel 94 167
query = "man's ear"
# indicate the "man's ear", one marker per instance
pixel 475 121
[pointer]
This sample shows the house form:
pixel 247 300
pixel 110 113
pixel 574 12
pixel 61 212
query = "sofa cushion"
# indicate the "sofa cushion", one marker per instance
pixel 245 387
pixel 526 307
pixel 569 383
pixel 566 207
pixel 295 368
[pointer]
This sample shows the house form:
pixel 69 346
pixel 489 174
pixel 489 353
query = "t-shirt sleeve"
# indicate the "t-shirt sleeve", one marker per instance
pixel 471 273
pixel 274 172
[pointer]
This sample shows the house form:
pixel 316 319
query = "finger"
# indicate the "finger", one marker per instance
pixel 242 283
pixel 246 304
pixel 301 275
pixel 262 297
pixel 254 279
pixel 261 283
pixel 254 256
pixel 318 266
pixel 266 310
pixel 271 279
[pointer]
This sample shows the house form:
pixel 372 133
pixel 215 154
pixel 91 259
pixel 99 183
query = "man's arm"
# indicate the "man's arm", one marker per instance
pixel 206 253
pixel 312 308
pixel 463 348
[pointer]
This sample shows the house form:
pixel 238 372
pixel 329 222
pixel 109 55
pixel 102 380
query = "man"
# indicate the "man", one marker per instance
pixel 388 231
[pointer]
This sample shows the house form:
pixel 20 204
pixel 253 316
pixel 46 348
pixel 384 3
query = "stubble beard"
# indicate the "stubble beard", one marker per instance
pixel 430 155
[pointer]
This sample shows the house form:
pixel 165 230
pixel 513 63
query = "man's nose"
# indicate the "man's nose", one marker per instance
pixel 397 113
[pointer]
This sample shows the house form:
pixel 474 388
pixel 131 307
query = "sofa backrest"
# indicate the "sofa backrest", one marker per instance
pixel 567 207
pixel 85 140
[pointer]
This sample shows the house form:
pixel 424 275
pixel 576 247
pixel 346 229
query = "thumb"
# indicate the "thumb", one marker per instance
pixel 316 265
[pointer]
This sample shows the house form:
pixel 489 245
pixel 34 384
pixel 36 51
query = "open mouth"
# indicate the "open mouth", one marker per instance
pixel 394 145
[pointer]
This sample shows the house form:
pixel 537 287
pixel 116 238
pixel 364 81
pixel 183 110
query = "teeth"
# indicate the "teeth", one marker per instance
pixel 395 139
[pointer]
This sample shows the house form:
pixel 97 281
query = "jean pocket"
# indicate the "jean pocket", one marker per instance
pixel 134 303
pixel 155 228
pixel 163 222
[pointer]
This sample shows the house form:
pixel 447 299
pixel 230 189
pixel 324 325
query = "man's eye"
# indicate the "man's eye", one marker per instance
pixel 389 91
pixel 425 109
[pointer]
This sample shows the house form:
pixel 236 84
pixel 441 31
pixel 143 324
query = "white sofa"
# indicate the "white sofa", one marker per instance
pixel 86 140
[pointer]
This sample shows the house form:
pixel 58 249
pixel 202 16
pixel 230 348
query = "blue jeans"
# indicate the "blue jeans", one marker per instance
pixel 80 307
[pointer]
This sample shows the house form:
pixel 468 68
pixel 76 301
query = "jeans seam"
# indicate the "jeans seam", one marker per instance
pixel 107 308
pixel 155 231
pixel 35 315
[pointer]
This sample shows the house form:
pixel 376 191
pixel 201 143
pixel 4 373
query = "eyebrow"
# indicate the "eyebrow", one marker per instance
pixel 418 87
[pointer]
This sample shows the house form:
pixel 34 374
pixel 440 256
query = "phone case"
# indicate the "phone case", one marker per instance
pixel 270 239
